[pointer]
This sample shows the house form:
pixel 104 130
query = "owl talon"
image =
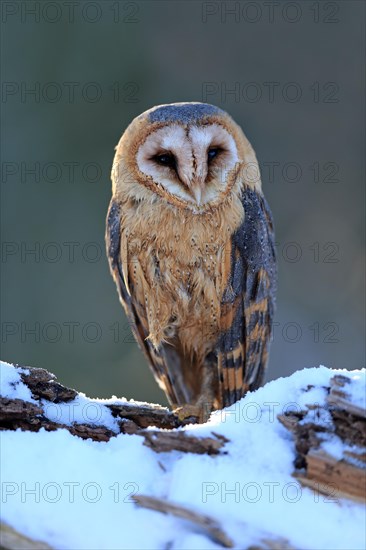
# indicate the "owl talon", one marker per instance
pixel 191 414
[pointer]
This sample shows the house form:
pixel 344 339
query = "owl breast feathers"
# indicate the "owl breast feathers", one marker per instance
pixel 191 248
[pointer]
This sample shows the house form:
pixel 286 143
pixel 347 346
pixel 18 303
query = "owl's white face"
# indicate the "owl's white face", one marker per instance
pixel 190 163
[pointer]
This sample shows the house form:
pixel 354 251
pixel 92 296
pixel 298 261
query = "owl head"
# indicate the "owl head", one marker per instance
pixel 191 155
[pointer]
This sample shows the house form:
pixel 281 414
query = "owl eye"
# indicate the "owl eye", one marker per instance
pixel 212 153
pixel 166 159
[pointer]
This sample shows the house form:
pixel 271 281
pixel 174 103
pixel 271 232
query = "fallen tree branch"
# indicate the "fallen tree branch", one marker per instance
pixel 133 418
pixel 43 384
pixel 272 544
pixel 15 413
pixel 330 445
pixel 142 416
pixel 204 523
pixel 162 442
pixel 342 418
pixel 11 539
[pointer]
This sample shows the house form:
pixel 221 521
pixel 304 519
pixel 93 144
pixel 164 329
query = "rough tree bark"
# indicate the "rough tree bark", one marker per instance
pixel 314 467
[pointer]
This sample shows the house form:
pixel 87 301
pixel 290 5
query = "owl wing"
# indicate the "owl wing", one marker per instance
pixel 165 363
pixel 247 307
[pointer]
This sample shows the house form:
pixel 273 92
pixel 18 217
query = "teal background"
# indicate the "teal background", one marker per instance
pixel 133 56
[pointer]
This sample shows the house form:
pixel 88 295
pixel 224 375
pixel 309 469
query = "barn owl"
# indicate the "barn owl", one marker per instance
pixel 190 244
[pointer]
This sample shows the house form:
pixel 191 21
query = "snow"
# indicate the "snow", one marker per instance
pixel 12 385
pixel 82 410
pixel 356 390
pixel 76 494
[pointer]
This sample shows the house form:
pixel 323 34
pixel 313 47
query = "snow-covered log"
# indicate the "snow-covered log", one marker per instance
pixel 332 465
pixel 91 473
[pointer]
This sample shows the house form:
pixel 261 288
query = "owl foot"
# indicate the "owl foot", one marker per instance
pixel 192 414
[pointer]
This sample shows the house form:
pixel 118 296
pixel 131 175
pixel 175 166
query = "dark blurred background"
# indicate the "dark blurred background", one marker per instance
pixel 75 74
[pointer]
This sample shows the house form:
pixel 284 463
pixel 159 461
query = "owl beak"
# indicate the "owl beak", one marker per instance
pixel 193 185
pixel 197 185
pixel 197 193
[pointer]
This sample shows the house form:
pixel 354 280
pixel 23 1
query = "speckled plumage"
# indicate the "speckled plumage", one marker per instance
pixel 191 249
